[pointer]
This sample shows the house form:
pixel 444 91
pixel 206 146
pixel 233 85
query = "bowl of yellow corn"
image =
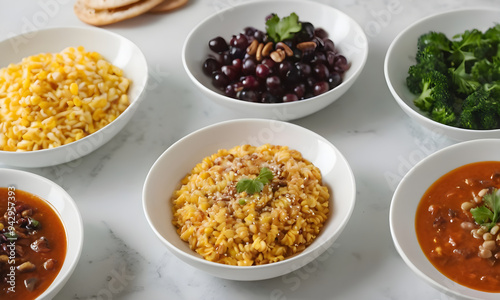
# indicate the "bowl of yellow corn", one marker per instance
pixel 64 92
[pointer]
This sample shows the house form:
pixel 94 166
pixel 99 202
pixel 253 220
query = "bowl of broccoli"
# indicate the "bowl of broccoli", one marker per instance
pixel 444 72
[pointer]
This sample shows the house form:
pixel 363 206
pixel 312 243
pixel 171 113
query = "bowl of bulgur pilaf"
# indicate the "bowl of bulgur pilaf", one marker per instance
pixel 64 92
pixel 203 201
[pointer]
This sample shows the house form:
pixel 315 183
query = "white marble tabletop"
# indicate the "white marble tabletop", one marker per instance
pixel 123 259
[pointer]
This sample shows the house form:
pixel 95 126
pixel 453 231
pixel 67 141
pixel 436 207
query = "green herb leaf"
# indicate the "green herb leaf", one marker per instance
pixel 252 186
pixel 34 223
pixel 265 176
pixel 11 235
pixel 481 214
pixel 488 214
pixel 280 30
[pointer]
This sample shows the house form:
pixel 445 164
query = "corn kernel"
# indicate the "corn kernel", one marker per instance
pixel 73 88
pixel 35 100
pixel 44 104
pixel 77 101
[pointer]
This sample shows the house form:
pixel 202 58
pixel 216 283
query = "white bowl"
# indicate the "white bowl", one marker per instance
pixel 181 157
pixel 407 197
pixel 64 205
pixel 401 55
pixel 113 47
pixel 347 35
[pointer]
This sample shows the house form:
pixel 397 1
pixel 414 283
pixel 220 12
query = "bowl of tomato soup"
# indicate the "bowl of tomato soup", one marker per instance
pixel 41 236
pixel 445 219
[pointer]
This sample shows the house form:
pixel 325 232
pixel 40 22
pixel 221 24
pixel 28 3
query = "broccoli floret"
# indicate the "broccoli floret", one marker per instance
pixel 427 61
pixel 434 89
pixel 485 71
pixel 443 113
pixel 462 59
pixel 463 82
pixel 493 33
pixel 432 49
pixel 480 110
pixel 437 40
pixel 463 46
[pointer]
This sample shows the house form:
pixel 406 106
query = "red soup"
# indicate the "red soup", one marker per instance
pixel 458 229
pixel 32 244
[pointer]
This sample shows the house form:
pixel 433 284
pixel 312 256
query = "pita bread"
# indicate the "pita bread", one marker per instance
pixel 100 17
pixel 168 5
pixel 106 4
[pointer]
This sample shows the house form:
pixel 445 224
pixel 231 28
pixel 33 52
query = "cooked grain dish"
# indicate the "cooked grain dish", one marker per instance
pixel 234 228
pixel 52 99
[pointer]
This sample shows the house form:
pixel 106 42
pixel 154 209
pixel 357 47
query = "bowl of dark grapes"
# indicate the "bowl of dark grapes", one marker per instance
pixel 269 60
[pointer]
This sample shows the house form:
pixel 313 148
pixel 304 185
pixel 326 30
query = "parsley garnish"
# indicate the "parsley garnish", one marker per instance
pixel 280 30
pixel 487 215
pixel 252 186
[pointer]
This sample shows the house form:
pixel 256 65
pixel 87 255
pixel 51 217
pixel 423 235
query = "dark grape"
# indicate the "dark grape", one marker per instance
pixel 300 90
pixel 329 45
pixel 238 64
pixel 226 58
pixel 284 67
pixel 334 80
pixel 273 83
pixel 218 44
pixel 319 57
pixel 306 33
pixel 267 97
pixel 231 72
pixel 268 62
pixel 259 36
pixel 220 80
pixel 249 66
pixel 239 41
pixel 310 81
pixel 320 71
pixel 304 70
pixel 341 64
pixel 230 91
pixel 320 88
pixel 320 44
pixel 236 53
pixel 293 76
pixel 330 59
pixel 250 82
pixel 262 71
pixel 290 97
pixel 249 31
pixel 248 95
pixel 321 33
pixel 210 65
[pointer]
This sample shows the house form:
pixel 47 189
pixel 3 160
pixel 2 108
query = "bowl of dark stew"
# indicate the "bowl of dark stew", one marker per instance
pixel 445 219
pixel 41 236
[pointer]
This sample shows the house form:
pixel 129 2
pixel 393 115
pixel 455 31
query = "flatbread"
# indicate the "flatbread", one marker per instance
pixel 100 17
pixel 107 4
pixel 168 5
